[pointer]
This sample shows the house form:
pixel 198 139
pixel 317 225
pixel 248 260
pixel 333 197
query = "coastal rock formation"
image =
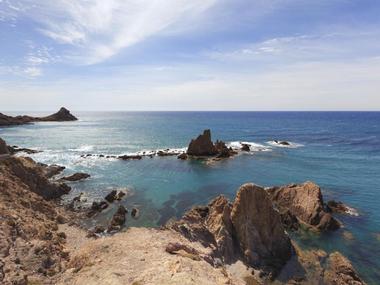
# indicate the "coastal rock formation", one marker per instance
pixel 258 228
pixel 33 176
pixel 3 147
pixel 75 177
pixel 302 203
pixel 249 229
pixel 118 219
pixel 340 208
pixel 128 157
pixel 285 143
pixel 31 247
pixel 245 147
pixel 62 115
pixel 340 271
pixel 114 195
pixel 202 145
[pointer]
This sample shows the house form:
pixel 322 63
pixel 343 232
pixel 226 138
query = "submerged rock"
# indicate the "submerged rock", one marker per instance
pixel 305 202
pixel 135 213
pixel 76 177
pixel 202 145
pixel 128 157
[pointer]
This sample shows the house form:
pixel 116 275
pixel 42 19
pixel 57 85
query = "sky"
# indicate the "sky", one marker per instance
pixel 189 55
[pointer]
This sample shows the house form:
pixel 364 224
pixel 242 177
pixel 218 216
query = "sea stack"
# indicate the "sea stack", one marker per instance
pixel 62 115
pixel 202 145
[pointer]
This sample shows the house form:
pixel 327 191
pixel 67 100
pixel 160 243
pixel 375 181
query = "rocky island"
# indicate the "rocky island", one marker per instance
pixel 62 115
pixel 245 241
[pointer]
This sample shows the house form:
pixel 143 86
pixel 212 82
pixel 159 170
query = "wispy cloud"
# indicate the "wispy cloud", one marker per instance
pixel 100 29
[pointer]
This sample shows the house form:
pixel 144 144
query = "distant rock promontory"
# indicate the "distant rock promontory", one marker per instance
pixel 62 115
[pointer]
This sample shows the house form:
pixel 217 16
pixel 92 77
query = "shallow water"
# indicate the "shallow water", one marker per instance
pixel 340 151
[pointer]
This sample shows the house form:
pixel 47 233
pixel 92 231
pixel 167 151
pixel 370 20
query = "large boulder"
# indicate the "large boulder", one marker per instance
pixel 258 228
pixel 202 145
pixel 305 202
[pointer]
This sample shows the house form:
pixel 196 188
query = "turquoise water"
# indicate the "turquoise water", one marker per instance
pixel 340 151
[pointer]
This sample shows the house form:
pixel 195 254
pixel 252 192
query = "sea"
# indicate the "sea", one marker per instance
pixel 340 151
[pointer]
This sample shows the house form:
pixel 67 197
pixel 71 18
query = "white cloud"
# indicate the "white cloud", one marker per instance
pixel 32 71
pixel 99 29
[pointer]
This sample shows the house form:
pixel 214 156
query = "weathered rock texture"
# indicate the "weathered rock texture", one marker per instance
pixel 258 228
pixel 249 229
pixel 32 175
pixel 202 145
pixel 302 204
pixel 31 247
pixel 62 115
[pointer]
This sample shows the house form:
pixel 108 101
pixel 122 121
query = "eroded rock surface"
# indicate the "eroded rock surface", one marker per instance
pixel 302 203
pixel 249 229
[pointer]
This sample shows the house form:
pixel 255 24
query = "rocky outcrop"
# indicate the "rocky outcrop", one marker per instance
pixel 202 145
pixel 249 229
pixel 245 147
pixel 3 147
pixel 62 115
pixel 33 176
pixel 114 195
pixel 128 157
pixel 118 219
pixel 258 228
pixel 31 246
pixel 75 177
pixel 302 204
pixel 340 271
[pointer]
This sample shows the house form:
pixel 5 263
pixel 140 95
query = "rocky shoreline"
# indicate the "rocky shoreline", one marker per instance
pixel 245 241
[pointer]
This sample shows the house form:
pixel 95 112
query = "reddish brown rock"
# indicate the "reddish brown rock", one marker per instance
pixel 258 228
pixel 305 202
pixel 249 229
pixel 340 271
pixel 118 219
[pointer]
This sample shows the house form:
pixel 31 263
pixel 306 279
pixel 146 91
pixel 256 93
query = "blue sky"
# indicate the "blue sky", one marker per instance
pixel 190 55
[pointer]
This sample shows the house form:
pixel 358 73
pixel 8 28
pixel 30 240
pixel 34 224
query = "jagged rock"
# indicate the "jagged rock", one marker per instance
pixel 305 202
pixel 76 177
pixel 249 228
pixel 118 219
pixel 62 115
pixel 182 156
pixel 202 145
pixel 339 207
pixel 340 271
pixel 245 147
pixel 97 207
pixel 258 228
pixel 114 195
pixel 3 147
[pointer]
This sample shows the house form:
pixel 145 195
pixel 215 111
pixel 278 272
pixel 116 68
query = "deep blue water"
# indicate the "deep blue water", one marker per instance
pixel 340 151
